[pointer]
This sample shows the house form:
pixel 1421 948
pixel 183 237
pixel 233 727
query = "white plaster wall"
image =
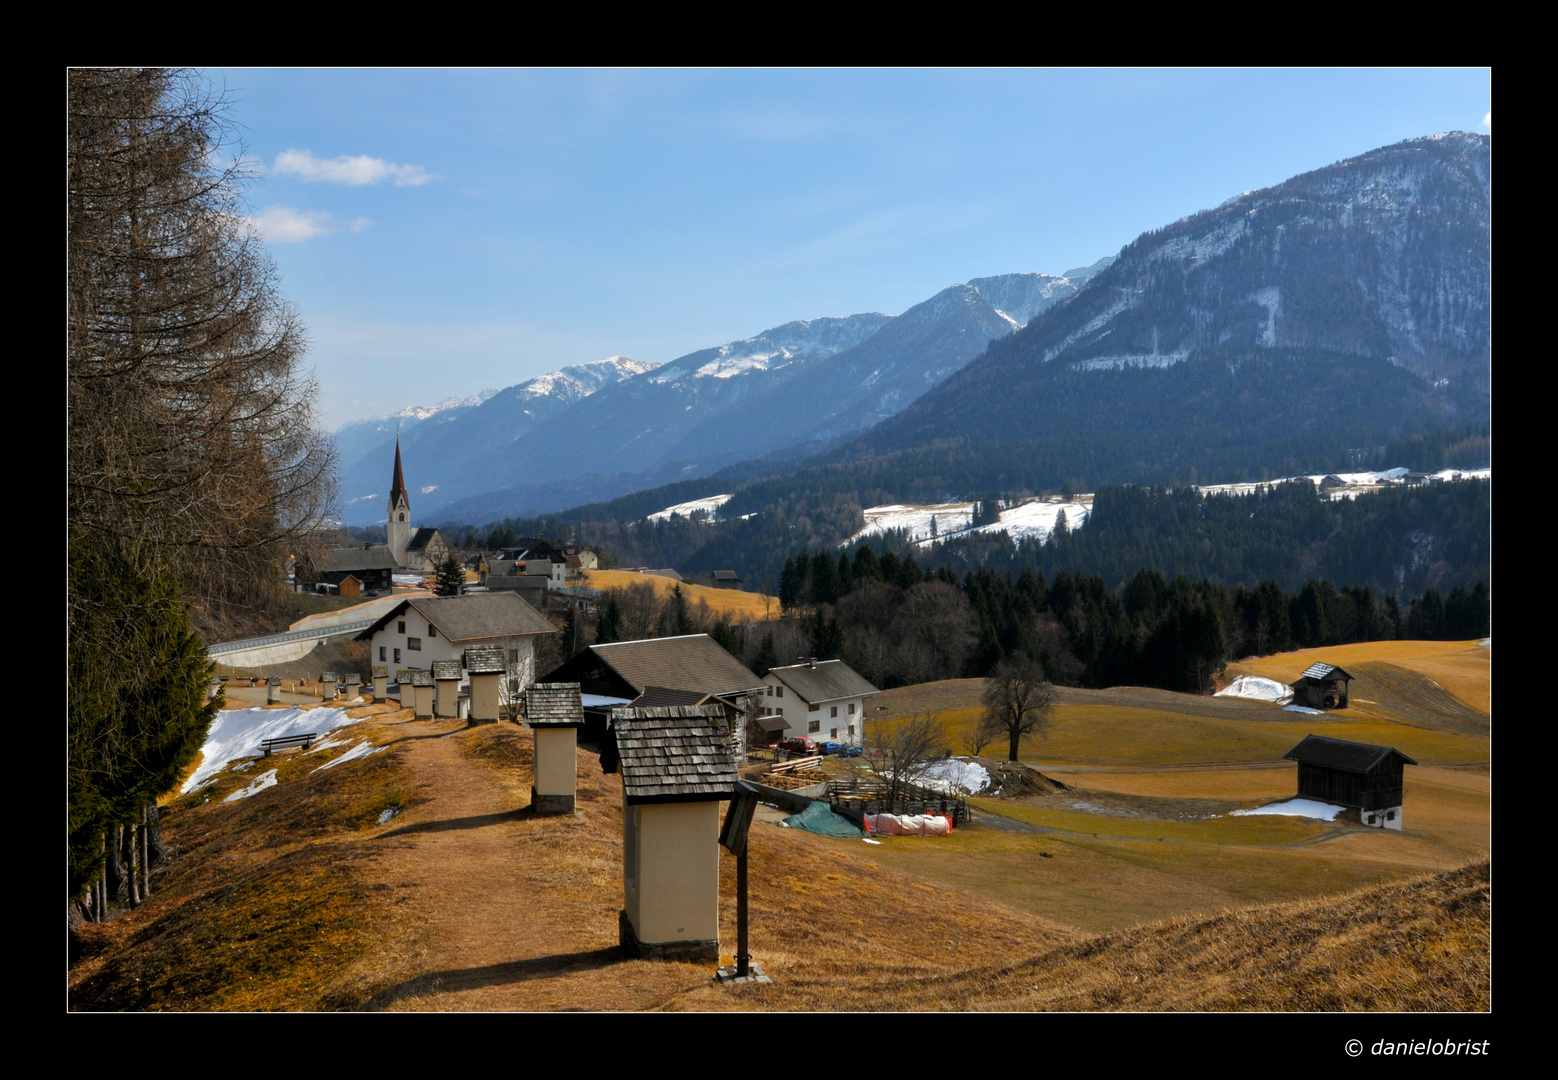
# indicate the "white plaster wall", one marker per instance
pixel 556 763
pixel 678 872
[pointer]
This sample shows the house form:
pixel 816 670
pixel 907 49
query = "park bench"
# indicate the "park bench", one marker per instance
pixel 287 740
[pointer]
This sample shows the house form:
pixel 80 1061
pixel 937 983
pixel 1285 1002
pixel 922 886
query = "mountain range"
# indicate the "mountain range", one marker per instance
pixel 594 431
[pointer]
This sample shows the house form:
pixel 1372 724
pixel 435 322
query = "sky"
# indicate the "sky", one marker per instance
pixel 446 231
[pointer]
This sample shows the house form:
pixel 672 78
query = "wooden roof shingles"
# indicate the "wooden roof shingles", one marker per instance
pixel 1341 754
pixel 446 670
pixel 690 662
pixel 554 705
pixel 485 660
pixel 673 753
pixel 826 680
pixel 1321 672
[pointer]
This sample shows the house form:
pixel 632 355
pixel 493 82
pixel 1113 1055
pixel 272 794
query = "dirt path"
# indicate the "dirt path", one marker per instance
pixel 489 912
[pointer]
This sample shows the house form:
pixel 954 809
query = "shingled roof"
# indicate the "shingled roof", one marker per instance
pixel 347 559
pixel 554 705
pixel 1340 754
pixel 420 677
pixel 662 695
pixel 827 680
pixel 444 670
pixel 485 660
pixel 1321 672
pixel 691 662
pixel 673 753
pixel 420 538
pixel 470 618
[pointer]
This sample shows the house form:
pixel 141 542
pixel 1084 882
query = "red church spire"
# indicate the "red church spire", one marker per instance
pixel 398 488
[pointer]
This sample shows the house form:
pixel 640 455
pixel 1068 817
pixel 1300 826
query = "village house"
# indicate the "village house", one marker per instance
pixel 820 699
pixel 419 631
pixel 1321 686
pixel 365 570
pixel 623 672
pixel 1369 779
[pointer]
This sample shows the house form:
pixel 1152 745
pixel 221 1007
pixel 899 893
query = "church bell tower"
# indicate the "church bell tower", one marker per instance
pixel 399 521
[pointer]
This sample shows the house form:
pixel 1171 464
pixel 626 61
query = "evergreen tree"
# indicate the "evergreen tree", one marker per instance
pixel 608 627
pixel 767 656
pixel 827 635
pixel 449 578
pixel 569 638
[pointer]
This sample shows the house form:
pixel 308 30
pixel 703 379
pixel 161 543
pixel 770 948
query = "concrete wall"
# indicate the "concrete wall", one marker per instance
pixel 676 893
pixel 556 763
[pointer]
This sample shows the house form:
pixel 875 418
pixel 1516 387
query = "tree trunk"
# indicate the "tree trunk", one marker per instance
pixel 1014 738
pixel 148 815
pixel 133 862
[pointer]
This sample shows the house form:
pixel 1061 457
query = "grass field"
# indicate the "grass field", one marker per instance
pixel 738 605
pixel 1131 888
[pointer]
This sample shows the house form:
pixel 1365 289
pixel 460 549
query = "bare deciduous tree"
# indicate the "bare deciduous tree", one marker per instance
pixel 1017 701
pixel 900 751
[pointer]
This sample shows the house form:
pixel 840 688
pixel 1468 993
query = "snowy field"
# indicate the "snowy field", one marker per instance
pixel 1032 521
pixel 687 509
pixel 1356 481
pixel 1309 808
pixel 1253 686
pixel 238 733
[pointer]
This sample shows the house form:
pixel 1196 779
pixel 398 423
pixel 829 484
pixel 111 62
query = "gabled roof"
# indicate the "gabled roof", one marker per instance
pixel 553 705
pixel 690 662
pixel 673 753
pixel 446 669
pixel 421 538
pixel 1340 754
pixel 470 618
pixel 420 677
pixel 828 680
pixel 484 660
pixel 1321 672
pixel 349 559
pixel 662 695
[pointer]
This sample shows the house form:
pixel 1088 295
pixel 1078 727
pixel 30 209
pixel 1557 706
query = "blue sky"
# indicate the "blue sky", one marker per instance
pixel 445 231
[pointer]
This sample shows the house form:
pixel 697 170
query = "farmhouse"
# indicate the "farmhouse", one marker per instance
pixel 1321 686
pixel 676 768
pixel 352 571
pixel 623 671
pixel 1368 778
pixel 421 630
pixel 821 699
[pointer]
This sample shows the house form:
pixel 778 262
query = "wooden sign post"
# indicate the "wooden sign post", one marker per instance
pixel 733 838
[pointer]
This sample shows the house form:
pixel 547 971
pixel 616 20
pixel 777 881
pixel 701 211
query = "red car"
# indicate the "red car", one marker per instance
pixel 800 745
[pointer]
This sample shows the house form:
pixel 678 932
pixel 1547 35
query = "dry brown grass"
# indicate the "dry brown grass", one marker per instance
pixel 1421 944
pixel 738 605
pixel 1463 668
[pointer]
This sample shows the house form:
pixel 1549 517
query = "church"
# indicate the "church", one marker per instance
pixel 369 569
pixel 418 551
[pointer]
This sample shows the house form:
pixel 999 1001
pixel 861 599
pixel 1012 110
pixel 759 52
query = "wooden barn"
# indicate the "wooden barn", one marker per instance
pixel 1368 778
pixel 1321 686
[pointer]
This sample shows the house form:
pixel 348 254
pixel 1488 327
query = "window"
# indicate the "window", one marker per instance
pixel 851 731
pixel 432 631
pixel 778 691
pixel 414 644
pixel 851 709
pixel 513 656
pixel 835 711
pixel 381 654
pixel 833 734
pixel 400 627
pixel 814 708
pixel 770 690
pixel 815 725
pixel 397 656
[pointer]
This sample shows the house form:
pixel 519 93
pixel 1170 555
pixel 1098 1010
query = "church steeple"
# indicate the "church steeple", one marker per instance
pixel 398 524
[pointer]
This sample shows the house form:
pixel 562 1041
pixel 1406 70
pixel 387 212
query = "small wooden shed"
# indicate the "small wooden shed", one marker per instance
pixel 327 686
pixel 446 675
pixel 555 713
pixel 487 666
pixel 676 769
pixel 380 683
pixel 1321 686
pixel 1368 778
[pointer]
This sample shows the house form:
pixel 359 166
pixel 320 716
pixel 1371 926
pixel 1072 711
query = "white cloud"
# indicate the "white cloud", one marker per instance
pixel 1487 121
pixel 353 171
pixel 284 225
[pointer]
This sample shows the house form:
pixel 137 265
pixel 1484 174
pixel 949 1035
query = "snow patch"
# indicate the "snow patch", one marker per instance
pixel 1253 686
pixel 1309 808
pixel 949 518
pixel 956 776
pixel 257 785
pixel 1305 709
pixel 238 733
pixel 1143 360
pixel 361 750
